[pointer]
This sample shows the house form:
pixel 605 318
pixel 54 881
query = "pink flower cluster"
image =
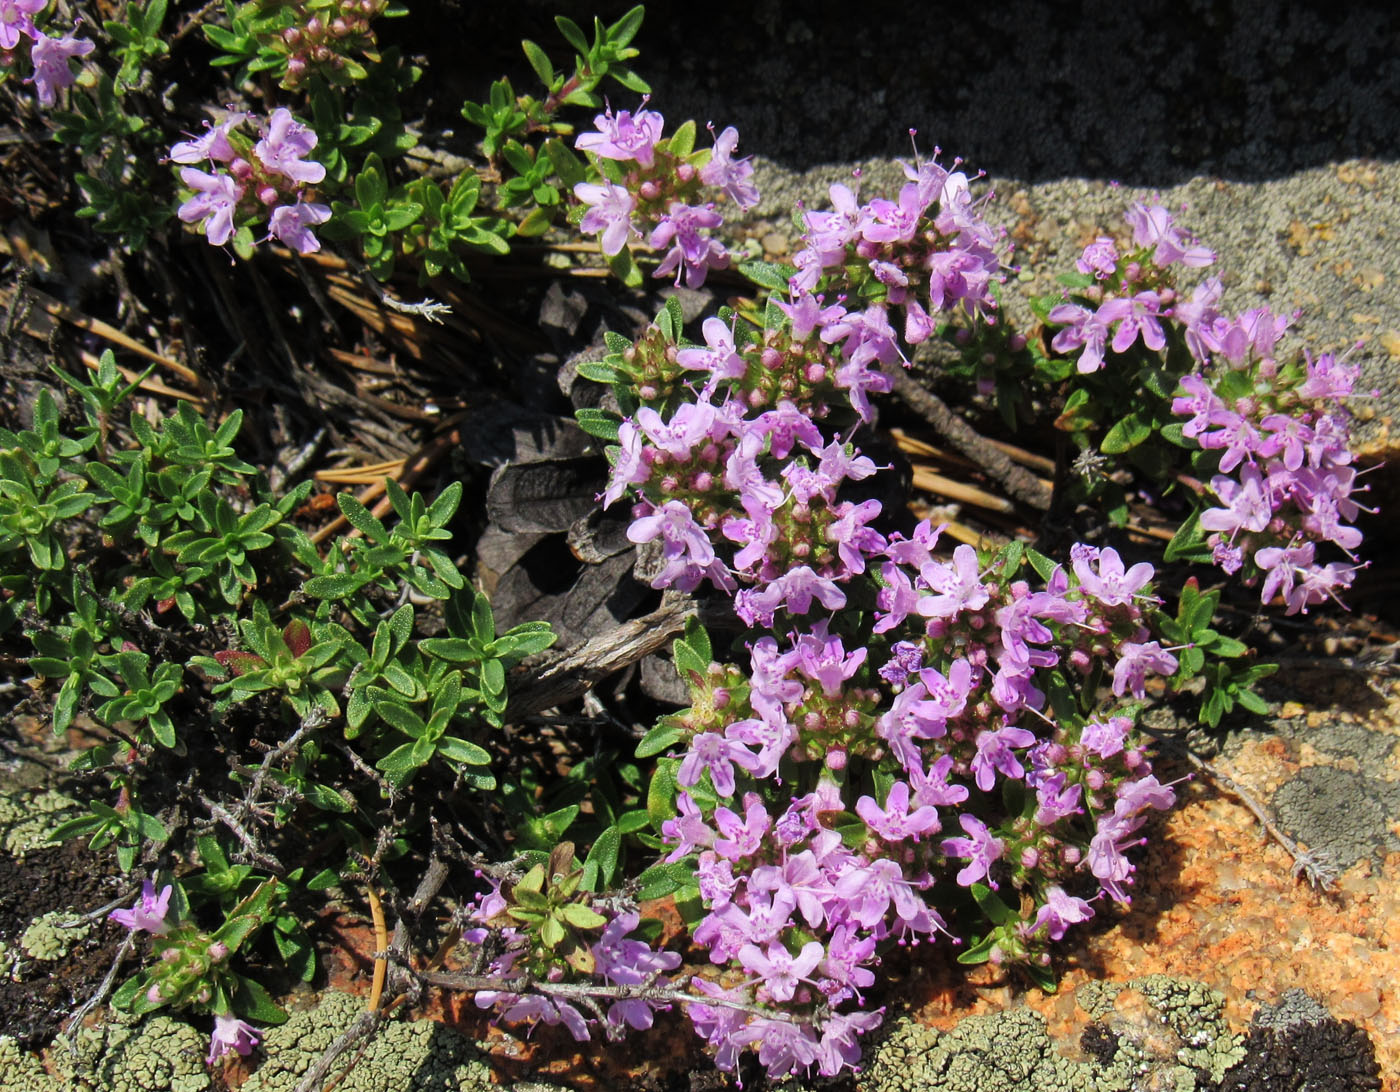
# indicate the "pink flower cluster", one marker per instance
pixel 940 684
pixel 648 192
pixel 1285 483
pixel 249 181
pixel 48 56
pixel 927 251
pixel 1135 306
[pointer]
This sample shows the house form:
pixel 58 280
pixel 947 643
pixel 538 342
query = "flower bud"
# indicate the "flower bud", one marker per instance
pixel 154 996
pixel 268 195
pixel 836 759
pixel 292 35
pixel 315 27
pixel 814 373
pixel 218 951
pixel 649 190
pixel 684 172
pixel 339 27
pixel 1030 857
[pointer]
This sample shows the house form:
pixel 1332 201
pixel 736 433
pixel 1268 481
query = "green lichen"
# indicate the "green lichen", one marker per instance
pixel 1000 1052
pixel 1011 1052
pixel 422 1055
pixel 48 940
pixel 1194 1012
pixel 157 1054
pixel 20 1071
pixel 28 817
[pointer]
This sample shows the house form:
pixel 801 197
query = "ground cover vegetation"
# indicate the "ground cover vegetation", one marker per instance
pixel 897 732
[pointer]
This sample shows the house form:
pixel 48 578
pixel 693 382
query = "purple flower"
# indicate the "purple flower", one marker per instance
pixel 1201 401
pixel 838 1047
pixel 231 1034
pixel 729 174
pixel 50 57
pixel 1055 801
pixel 284 145
pixel 624 136
pixel 1105 738
pixel 711 751
pixel 869 890
pixel 149 912
pixel 628 962
pixel 1135 661
pixel 742 837
pixel 853 539
pixel 1135 316
pixel 292 224
pixel 1248 506
pixel 980 849
pixel 215 200
pixel 610 212
pixel 829 232
pixel 995 755
pixel 1152 226
pixel 631 467
pixel 822 658
pixel 807 314
pixel 214 144
pixel 16 18
pixel 793 592
pixel 1059 912
pixel 932 788
pixel 1235 435
pixel 959 584
pixel 895 822
pixel 1099 258
pixel 785 426
pixel 781 971
pixel 721 359
pixel 1110 585
pixel 1082 328
pixel 690 252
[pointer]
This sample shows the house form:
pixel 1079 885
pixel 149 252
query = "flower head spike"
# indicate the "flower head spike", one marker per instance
pixel 149 912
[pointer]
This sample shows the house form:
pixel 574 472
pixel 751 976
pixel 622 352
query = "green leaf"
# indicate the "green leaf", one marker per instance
pixel 1188 544
pixel 581 917
pixel 602 859
pixel 538 61
pixel 361 518
pixel 599 423
pixel 572 34
pixel 255 1003
pixel 661 793
pixel 1043 565
pixel 461 751
pixel 1127 433
pixel 658 739
pixel 997 912
pixel 400 764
